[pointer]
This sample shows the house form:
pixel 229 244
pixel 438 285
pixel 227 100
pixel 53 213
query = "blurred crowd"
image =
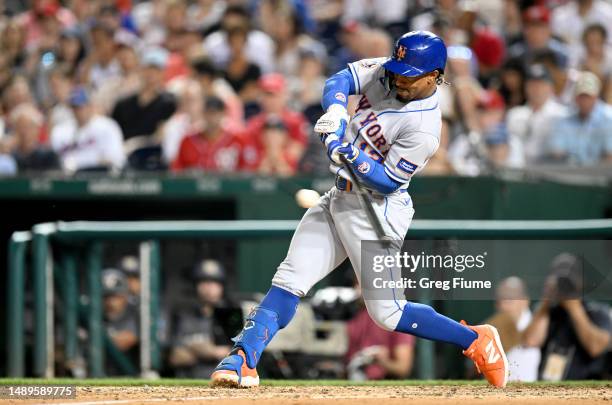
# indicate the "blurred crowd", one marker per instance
pixel 235 85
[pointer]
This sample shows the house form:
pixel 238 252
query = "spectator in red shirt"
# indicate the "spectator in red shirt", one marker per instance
pixel 215 148
pixel 274 106
pixel 374 353
pixel 276 158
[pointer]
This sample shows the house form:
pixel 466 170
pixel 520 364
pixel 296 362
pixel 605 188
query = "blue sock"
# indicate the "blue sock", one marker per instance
pixel 275 312
pixel 282 302
pixel 423 321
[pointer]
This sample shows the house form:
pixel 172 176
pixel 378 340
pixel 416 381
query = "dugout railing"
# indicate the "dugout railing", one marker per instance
pixel 85 240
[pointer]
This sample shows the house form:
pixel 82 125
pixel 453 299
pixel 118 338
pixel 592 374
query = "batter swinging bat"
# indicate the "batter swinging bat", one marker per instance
pixel 364 198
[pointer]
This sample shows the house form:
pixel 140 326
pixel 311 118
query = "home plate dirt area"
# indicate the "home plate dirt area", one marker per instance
pixel 337 393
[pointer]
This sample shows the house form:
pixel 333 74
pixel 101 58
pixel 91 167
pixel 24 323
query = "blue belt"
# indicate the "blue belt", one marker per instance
pixel 343 184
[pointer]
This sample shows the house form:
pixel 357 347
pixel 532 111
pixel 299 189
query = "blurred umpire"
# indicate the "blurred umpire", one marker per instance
pixel 196 351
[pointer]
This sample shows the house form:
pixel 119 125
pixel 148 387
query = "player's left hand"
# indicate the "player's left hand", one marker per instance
pixel 335 148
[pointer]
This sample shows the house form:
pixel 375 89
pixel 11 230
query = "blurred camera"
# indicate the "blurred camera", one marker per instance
pixel 566 273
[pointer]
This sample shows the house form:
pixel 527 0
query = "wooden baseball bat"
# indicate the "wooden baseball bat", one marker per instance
pixel 364 199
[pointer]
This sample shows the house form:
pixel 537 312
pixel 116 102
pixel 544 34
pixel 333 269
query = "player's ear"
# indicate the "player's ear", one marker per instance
pixel 432 77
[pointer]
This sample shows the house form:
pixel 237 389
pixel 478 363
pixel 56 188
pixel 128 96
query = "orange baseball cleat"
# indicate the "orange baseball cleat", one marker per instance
pixel 233 372
pixel 488 355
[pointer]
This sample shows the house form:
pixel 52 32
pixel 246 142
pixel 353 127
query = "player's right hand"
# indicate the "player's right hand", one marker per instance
pixel 334 121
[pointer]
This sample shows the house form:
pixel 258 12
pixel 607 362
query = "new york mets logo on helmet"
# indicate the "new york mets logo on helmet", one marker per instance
pixel 401 52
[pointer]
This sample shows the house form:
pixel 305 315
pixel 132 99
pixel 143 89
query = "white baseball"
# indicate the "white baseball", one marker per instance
pixel 306 198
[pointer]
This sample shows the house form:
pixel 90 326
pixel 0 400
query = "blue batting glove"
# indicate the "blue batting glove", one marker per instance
pixel 335 148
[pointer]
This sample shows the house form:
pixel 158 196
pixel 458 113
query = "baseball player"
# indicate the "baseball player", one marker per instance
pixel 394 132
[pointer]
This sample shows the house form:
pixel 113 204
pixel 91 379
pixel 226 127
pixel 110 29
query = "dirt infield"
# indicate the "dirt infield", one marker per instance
pixel 338 395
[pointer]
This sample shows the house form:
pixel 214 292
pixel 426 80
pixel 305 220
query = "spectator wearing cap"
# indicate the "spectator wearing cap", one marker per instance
pixel 195 352
pixel 143 113
pixel 490 51
pixel 538 37
pixel 130 266
pixel 120 318
pixel 583 137
pixel 570 20
pixel 101 64
pixel 91 142
pixel 274 160
pixel 259 46
pixel 274 98
pixel 489 147
pixel 213 84
pixel 33 20
pixel 574 334
pixel 187 120
pixel 214 148
pixel 563 78
pixel 30 155
pixel 533 122
pixel 502 152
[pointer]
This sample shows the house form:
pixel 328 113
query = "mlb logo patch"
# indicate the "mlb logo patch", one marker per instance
pixel 364 167
pixel 407 166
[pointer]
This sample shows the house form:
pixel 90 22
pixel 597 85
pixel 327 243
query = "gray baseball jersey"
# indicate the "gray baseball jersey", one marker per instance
pixel 401 136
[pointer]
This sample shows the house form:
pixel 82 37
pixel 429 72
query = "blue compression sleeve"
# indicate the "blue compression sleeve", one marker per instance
pixel 374 177
pixel 337 89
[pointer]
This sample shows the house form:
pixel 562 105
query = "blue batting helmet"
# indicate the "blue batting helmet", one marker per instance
pixel 417 53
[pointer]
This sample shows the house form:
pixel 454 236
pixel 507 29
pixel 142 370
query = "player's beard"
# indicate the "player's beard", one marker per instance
pixel 408 94
pixel 404 99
